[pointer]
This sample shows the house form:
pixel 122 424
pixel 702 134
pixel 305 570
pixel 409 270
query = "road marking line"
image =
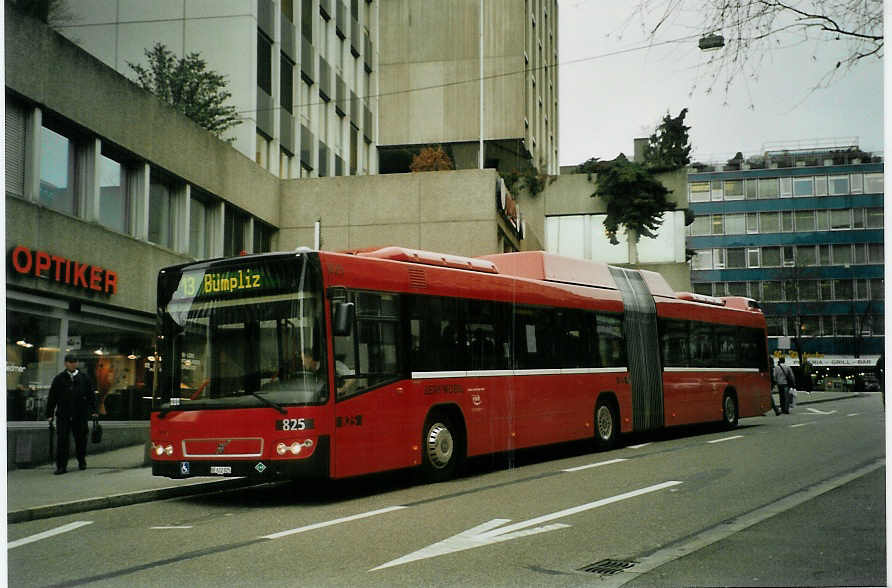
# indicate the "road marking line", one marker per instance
pixel 50 533
pixel 594 465
pixel 853 414
pixel 802 424
pixel 492 531
pixel 723 439
pixel 315 526
pixel 727 528
pixel 816 411
pixel 172 527
pixel 640 445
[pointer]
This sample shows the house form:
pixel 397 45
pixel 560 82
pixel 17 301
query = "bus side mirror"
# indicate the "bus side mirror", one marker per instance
pixel 343 318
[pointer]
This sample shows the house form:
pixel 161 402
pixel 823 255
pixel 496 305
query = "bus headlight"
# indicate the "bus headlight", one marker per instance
pixel 160 449
pixel 294 447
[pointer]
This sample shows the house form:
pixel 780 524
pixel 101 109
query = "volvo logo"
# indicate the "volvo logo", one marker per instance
pixel 221 446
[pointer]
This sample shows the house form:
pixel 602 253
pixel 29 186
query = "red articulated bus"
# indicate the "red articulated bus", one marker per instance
pixel 312 363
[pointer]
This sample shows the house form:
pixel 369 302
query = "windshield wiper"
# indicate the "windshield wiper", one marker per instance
pixel 269 402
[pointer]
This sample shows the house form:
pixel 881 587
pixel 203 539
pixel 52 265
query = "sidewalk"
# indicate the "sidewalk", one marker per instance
pixel 120 477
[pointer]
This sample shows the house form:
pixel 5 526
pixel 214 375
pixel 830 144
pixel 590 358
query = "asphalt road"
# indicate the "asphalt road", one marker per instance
pixel 788 500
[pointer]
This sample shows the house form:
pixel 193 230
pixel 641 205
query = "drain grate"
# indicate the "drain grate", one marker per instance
pixel 608 567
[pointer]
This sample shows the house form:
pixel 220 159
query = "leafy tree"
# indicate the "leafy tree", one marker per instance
pixel 431 159
pixel 751 29
pixel 669 147
pixel 634 198
pixel 187 85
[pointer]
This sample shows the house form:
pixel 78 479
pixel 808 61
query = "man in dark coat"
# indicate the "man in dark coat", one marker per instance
pixel 72 399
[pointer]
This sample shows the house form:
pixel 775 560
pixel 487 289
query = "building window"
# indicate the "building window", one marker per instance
pixel 752 222
pixel 160 213
pixel 264 63
pixel 718 224
pixel 788 252
pixel 856 182
pixel 769 222
pixel 807 289
pixel 751 188
pixel 698 192
pixel 738 289
pixel 839 185
pixel 786 187
pixel 733 189
pixel 752 256
pixel 875 252
pixel 860 253
pixel 841 219
pixel 199 215
pixel 286 86
pixel 775 325
pixel 704 288
pixel 874 218
pixel 873 183
pixel 114 209
pixel 702 259
pixel 771 291
pixel 805 220
pixel 823 220
pixel 736 258
pixel 842 289
pixel 826 287
pixel 787 221
pixel 857 218
pixel 57 153
pixel 771 257
pixel 803 187
pixel 735 224
pixel 233 232
pixel 716 188
pixel 824 254
pixel 806 255
pixel 262 237
pixel 820 185
pixel 877 291
pixel 768 188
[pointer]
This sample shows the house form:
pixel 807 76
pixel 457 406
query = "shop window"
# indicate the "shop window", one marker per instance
pixel 32 360
pixel 262 237
pixel 114 205
pixel 57 165
pixel 117 362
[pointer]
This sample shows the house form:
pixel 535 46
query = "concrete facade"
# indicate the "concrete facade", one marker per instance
pixel 448 211
pixel 433 48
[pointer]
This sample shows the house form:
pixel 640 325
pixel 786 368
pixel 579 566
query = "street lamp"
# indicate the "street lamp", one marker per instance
pixel 712 42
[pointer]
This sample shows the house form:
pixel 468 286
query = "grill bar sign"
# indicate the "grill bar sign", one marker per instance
pixel 66 271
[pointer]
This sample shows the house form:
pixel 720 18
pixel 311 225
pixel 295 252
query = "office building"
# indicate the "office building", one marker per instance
pixel 799 228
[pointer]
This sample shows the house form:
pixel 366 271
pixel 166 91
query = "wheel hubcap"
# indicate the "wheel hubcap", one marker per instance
pixel 605 423
pixel 439 445
pixel 729 409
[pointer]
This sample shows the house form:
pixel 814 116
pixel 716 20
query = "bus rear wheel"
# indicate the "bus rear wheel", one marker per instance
pixel 606 426
pixel 440 448
pixel 729 410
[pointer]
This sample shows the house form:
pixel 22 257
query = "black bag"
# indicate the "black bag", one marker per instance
pixel 96 435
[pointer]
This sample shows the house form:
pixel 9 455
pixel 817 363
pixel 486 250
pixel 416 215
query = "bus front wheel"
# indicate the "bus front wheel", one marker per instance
pixel 606 426
pixel 440 447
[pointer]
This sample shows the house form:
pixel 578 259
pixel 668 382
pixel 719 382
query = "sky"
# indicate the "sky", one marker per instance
pixel 608 100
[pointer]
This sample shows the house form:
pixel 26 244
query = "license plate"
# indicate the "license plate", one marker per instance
pixel 221 470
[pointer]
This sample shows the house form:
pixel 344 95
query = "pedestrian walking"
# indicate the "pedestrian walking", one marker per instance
pixel 784 378
pixel 72 400
pixel 773 387
pixel 879 370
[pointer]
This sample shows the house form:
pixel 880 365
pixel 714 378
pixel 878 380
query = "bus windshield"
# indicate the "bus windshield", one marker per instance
pixel 243 334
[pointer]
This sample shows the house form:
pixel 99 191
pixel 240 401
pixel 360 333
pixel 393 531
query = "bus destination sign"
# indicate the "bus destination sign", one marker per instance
pixel 202 283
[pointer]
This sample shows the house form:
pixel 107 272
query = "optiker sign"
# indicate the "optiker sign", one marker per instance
pixel 56 268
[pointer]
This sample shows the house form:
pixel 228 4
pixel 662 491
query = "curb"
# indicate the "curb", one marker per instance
pixel 124 499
